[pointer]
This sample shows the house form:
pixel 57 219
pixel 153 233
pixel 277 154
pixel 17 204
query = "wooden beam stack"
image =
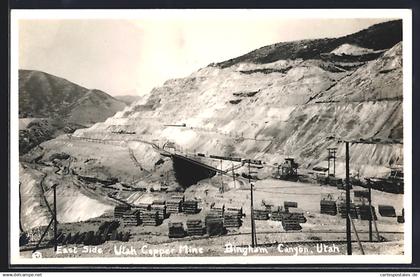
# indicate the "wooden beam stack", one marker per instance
pixel 289 204
pixel 364 213
pixel 217 209
pixel 232 219
pixel 195 227
pixel 176 230
pixel 120 210
pixel 190 207
pixel 143 207
pixel 160 209
pixel 214 225
pixel 343 211
pixel 261 214
pixel 277 214
pixel 131 218
pixel 328 207
pixel 150 218
pixel 173 206
pixel 290 223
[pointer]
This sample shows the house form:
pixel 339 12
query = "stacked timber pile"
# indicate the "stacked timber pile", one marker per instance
pixel 150 218
pixel 131 218
pixel 328 205
pixel 176 230
pixel 364 212
pixel 195 227
pixel 120 210
pixel 343 211
pixel 277 214
pixel 160 209
pixel 217 209
pixel 214 225
pixel 296 214
pixel 190 207
pixel 143 207
pixel 386 211
pixel 290 222
pixel 236 209
pixel 289 204
pixel 173 206
pixel 232 219
pixel 261 214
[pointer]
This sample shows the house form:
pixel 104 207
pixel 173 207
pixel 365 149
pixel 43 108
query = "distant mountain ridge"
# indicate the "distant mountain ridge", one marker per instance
pixel 377 37
pixel 50 106
pixel 43 95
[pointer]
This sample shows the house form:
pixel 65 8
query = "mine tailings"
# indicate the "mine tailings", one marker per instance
pixel 189 172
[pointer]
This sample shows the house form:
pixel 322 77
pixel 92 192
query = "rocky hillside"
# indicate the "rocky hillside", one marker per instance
pixel 45 95
pixel 287 99
pixel 50 106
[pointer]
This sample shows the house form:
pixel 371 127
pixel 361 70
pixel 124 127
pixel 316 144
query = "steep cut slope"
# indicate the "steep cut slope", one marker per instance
pixel 289 107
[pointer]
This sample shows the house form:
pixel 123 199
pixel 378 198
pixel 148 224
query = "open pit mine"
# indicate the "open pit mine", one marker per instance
pixel 183 166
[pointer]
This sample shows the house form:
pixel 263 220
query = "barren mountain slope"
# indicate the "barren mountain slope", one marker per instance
pixel 50 106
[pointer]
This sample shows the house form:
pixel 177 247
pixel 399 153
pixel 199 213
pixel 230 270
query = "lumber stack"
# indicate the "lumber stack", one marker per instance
pixel 131 218
pixel 120 210
pixel 232 219
pixel 214 225
pixel 290 224
pixel 143 207
pixel 190 207
pixel 150 218
pixel 176 230
pixel 364 213
pixel 296 214
pixel 260 214
pixel 160 209
pixel 343 213
pixel 289 204
pixel 195 227
pixel 236 209
pixel 328 207
pixel 173 206
pixel 386 211
pixel 277 215
pixel 218 210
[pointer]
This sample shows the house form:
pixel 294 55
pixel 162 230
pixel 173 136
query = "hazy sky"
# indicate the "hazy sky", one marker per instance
pixel 133 56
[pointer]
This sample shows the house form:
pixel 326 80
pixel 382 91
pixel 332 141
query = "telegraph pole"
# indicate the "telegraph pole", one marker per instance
pixel 370 210
pixel 254 237
pixel 233 176
pixel 348 227
pixel 55 216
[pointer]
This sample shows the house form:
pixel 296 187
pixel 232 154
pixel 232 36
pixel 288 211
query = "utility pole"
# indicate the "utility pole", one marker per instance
pixel 348 227
pixel 370 210
pixel 253 235
pixel 233 175
pixel 55 216
pixel 221 176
